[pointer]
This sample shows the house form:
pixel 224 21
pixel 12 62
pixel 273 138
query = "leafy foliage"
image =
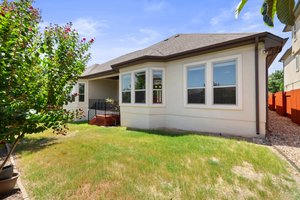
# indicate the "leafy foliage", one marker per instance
pixel 283 8
pixel 276 81
pixel 37 71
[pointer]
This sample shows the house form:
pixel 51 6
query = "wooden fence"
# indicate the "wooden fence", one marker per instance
pixel 286 104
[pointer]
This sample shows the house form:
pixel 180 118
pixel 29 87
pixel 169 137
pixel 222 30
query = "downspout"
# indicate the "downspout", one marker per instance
pixel 267 94
pixel 256 85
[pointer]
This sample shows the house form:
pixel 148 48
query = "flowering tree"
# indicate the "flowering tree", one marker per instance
pixel 37 72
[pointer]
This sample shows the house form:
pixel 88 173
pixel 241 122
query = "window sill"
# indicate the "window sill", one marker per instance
pixel 214 107
pixel 143 105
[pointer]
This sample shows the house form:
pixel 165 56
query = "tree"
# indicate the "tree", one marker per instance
pixel 37 72
pixel 283 8
pixel 276 81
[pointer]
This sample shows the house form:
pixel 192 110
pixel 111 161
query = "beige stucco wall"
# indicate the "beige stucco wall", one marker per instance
pixel 103 89
pixel 239 120
pixel 80 105
pixel 296 40
pixel 291 75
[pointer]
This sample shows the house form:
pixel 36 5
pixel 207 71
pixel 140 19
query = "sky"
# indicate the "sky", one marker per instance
pixel 123 26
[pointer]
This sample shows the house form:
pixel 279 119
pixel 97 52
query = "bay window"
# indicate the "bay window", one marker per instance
pixel 140 87
pixel 196 84
pixel 126 88
pixel 224 82
pixel 157 87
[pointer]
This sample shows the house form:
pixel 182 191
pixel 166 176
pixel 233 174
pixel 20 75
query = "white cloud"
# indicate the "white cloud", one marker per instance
pixel 156 5
pixel 86 27
pixel 143 37
pixel 250 15
pixel 223 16
pixel 89 27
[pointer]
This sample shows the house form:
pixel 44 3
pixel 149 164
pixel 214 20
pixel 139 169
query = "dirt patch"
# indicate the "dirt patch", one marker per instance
pixel 247 171
pixel 230 192
pixel 89 191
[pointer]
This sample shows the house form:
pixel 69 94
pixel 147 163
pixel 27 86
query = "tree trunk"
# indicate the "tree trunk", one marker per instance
pixel 10 151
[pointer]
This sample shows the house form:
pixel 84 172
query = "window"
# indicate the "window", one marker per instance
pixel 294 32
pixel 140 87
pixel 224 82
pixel 126 88
pixel 157 90
pixel 196 85
pixel 81 91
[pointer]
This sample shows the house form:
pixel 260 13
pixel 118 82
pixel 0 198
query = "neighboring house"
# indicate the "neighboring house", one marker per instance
pixel 290 59
pixel 198 82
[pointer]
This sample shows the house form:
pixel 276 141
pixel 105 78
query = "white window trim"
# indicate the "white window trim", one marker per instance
pixel 185 80
pixel 225 86
pixel 85 92
pixel 121 89
pixel 163 104
pixel 209 84
pixel 132 102
pixel 294 32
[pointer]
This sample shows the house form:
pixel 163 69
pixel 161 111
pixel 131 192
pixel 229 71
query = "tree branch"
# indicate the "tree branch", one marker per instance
pixel 11 150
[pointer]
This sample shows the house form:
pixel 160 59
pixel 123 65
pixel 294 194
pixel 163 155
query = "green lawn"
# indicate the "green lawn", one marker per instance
pixel 114 163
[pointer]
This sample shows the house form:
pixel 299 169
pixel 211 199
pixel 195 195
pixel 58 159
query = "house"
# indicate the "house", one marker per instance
pixel 289 101
pixel 198 82
pixel 290 58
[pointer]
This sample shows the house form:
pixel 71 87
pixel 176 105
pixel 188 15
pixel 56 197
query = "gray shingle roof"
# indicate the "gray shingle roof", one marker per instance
pixel 176 44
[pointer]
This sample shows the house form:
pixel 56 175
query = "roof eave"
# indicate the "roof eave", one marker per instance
pixel 286 54
pixel 275 40
pixel 99 74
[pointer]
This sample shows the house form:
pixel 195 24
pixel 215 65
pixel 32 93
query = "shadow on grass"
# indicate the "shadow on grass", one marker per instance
pixel 78 122
pixel 34 144
pixel 179 133
pixel 164 132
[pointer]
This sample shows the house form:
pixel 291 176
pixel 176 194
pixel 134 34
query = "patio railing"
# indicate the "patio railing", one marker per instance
pixel 103 107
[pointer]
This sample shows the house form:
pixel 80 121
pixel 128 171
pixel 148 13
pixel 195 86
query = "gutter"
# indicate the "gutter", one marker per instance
pixel 256 85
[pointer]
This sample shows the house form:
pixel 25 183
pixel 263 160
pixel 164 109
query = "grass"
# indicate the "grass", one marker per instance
pixel 114 163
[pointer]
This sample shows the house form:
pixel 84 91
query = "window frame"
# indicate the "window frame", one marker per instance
pixel 121 89
pixel 185 79
pixel 224 86
pixel 204 87
pixel 163 87
pixel 84 93
pixel 132 102
pixel 294 32
pixel 209 84
pixel 139 90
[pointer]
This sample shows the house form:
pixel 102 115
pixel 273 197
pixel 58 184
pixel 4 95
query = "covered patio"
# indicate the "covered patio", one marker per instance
pixel 103 101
